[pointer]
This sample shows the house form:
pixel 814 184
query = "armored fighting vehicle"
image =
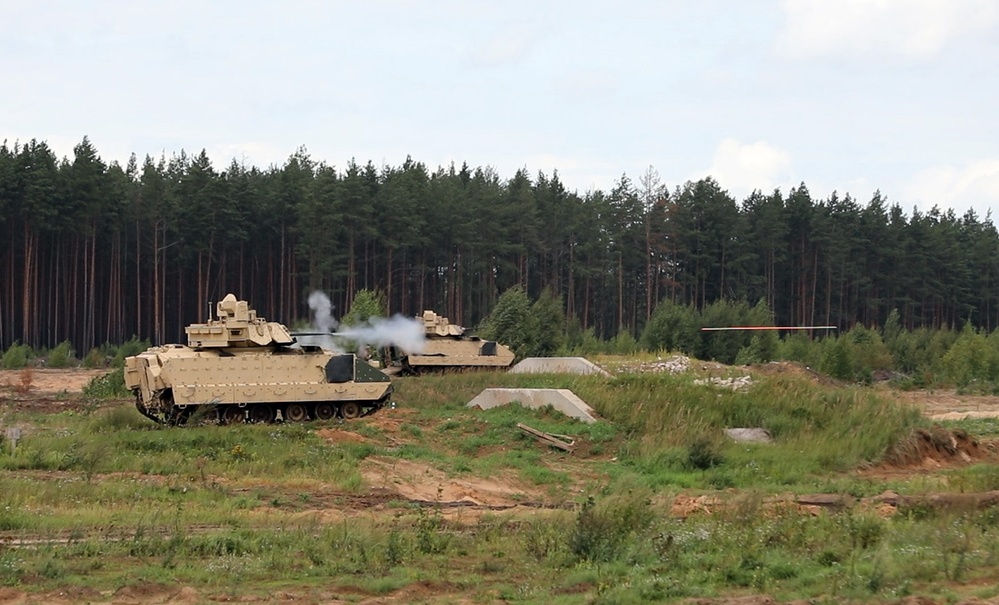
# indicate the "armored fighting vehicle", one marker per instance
pixel 449 348
pixel 241 368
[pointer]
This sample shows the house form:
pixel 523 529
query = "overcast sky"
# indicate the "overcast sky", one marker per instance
pixel 846 95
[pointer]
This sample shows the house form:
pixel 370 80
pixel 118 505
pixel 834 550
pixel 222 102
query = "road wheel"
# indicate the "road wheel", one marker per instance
pixel 350 410
pixel 325 411
pixel 296 412
pixel 232 414
pixel 261 414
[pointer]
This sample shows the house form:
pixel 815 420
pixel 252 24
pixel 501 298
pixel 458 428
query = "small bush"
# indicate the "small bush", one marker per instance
pixel 97 358
pixel 16 357
pixel 121 418
pixel 107 386
pixel 24 380
pixel 704 453
pixel 543 539
pixel 133 346
pixel 61 356
pixel 602 531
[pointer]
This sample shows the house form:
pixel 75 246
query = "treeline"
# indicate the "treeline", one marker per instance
pixel 925 357
pixel 96 252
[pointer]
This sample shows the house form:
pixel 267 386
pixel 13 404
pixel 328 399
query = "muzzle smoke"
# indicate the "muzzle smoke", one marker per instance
pixel 405 333
pixel 322 321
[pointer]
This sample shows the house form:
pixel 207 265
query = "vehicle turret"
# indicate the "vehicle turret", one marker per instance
pixel 435 325
pixel 237 325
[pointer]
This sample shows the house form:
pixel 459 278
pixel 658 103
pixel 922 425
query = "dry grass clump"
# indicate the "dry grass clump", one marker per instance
pixel 25 379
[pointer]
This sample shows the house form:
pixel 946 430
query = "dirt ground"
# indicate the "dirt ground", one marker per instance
pixel 48 381
pixel 389 480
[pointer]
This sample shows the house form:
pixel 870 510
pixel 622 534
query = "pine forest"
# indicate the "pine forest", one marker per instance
pixel 95 252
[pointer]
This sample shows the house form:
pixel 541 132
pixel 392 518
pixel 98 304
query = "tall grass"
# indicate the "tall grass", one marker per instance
pixel 815 430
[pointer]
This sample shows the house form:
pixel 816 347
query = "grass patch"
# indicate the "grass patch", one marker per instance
pixel 116 500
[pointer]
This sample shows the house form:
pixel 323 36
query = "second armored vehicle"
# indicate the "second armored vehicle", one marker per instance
pixel 449 348
pixel 240 367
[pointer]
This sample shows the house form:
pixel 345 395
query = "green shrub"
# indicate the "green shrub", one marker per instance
pixel 510 321
pixel 624 343
pixel 673 327
pixel 60 356
pixel 580 342
pixel 801 348
pixel 967 360
pixel 367 304
pixel 94 359
pixel 132 347
pixel 704 453
pixel 121 418
pixel 602 531
pixel 16 357
pixel 107 386
pixel 837 358
pixel 869 352
pixel 548 318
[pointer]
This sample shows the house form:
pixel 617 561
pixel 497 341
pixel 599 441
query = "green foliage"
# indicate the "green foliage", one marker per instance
pixel 120 418
pixel 837 358
pixel 704 453
pixel 530 329
pixel 727 346
pixel 892 331
pixel 580 342
pixel 674 328
pixel 107 386
pixel 969 359
pixel 761 349
pixel 61 356
pixel 799 347
pixel 623 344
pixel 367 304
pixel 16 357
pixel 129 348
pixel 548 319
pixel 510 321
pixel 95 358
pixel 602 530
pixel 870 354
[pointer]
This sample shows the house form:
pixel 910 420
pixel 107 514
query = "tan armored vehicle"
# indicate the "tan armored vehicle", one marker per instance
pixel 449 348
pixel 240 367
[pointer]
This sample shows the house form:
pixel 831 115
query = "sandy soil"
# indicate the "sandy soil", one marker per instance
pixel 33 380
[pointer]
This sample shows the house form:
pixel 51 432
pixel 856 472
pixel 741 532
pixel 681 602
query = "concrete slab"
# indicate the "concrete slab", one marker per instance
pixel 746 435
pixel 558 365
pixel 562 400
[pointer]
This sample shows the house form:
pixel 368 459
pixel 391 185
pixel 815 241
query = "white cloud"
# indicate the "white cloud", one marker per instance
pixel 907 28
pixel 974 185
pixel 742 167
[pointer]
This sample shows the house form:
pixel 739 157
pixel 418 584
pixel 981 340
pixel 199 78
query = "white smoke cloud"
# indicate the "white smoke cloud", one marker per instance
pixel 322 312
pixel 322 321
pixel 405 333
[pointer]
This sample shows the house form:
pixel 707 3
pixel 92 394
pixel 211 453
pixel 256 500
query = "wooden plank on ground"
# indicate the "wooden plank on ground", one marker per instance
pixel 562 442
